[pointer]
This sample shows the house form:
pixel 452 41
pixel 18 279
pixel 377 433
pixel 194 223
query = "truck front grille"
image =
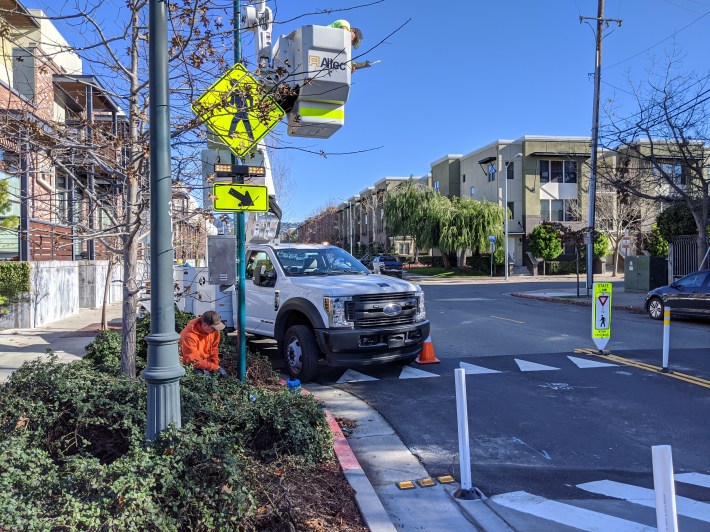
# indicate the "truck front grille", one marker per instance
pixel 367 311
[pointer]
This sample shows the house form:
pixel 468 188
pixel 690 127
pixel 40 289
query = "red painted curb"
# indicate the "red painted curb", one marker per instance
pixel 341 447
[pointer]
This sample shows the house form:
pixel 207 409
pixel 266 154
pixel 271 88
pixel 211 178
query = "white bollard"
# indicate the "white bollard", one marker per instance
pixel 462 418
pixel 666 337
pixel 664 487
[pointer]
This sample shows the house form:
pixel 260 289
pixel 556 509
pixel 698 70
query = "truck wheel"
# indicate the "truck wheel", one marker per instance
pixel 301 352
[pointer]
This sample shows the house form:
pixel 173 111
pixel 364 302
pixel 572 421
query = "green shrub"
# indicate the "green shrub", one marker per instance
pixel 105 352
pixel 14 283
pixel 73 452
pixel 554 267
pixel 143 329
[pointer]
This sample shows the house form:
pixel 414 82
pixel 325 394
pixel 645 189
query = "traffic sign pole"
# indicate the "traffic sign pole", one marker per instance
pixel 239 229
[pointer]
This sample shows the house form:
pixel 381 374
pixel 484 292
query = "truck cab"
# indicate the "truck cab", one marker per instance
pixel 319 302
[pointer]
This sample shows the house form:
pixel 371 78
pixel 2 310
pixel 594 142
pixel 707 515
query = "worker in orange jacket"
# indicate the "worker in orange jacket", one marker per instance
pixel 199 343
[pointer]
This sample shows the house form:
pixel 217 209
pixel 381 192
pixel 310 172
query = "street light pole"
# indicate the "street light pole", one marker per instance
pixel 163 369
pixel 350 223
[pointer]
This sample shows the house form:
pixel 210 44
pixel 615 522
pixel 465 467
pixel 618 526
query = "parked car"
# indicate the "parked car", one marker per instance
pixel 688 296
pixel 387 265
pixel 366 261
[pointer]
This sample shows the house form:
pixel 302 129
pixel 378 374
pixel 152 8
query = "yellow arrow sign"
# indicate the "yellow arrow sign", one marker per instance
pixel 227 197
pixel 237 111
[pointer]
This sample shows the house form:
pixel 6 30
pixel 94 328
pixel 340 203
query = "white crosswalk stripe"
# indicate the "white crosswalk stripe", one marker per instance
pixel 472 369
pixel 584 363
pixel 526 365
pixel 414 373
pixel 355 376
pixel 646 497
pixel 698 479
pixel 566 514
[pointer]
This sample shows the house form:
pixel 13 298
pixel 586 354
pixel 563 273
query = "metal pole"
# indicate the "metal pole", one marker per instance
pixel 163 370
pixel 239 229
pixel 350 223
pixel 595 139
pixel 505 222
pixel 24 231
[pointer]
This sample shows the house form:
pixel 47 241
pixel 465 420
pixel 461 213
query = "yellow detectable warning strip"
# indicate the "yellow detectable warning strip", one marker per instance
pixel 647 367
pixel 406 485
pixel 426 482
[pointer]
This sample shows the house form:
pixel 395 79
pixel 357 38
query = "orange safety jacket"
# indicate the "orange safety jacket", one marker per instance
pixel 198 348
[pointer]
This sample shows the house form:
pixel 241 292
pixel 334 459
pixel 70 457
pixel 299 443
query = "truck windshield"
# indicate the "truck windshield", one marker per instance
pixel 318 261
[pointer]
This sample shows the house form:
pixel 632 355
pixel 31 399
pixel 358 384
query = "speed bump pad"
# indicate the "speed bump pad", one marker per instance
pixel 406 485
pixel 446 479
pixel 426 482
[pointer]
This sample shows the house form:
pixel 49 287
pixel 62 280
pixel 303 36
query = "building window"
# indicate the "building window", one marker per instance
pixel 436 185
pixel 464 177
pixel 472 191
pixel 510 170
pixel 558 171
pixel 403 249
pixel 672 170
pixel 511 210
pixel 558 210
pixel 491 172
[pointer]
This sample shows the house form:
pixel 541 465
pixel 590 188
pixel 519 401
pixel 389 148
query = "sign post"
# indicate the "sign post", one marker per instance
pixel 601 315
pixel 492 240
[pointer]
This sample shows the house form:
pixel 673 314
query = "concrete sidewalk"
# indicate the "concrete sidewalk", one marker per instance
pixel 621 299
pixel 67 338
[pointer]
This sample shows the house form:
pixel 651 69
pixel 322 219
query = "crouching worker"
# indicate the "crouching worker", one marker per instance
pixel 199 344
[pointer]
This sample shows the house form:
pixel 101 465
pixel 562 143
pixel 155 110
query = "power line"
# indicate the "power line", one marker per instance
pixel 659 42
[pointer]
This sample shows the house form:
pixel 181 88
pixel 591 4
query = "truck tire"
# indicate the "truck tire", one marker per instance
pixel 300 351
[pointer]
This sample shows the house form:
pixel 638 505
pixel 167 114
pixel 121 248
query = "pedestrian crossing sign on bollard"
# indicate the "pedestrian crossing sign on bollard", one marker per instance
pixel 238 111
pixel 601 314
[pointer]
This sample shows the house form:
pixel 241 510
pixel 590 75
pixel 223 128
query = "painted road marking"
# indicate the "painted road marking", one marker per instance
pixel 472 369
pixel 697 479
pixel 646 497
pixel 525 365
pixel 414 373
pixel 565 514
pixel 647 367
pixel 355 376
pixel 506 319
pixel 584 363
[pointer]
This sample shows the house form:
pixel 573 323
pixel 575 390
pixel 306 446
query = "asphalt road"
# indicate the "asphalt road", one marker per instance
pixel 545 417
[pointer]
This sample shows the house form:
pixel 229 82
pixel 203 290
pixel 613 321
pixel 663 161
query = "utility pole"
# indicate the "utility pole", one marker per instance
pixel 601 22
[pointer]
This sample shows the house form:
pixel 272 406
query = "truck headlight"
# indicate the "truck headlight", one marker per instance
pixel 421 312
pixel 335 309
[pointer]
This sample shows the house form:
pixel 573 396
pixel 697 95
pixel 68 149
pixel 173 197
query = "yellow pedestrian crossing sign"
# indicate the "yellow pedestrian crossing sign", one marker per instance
pixel 227 197
pixel 238 111
pixel 601 314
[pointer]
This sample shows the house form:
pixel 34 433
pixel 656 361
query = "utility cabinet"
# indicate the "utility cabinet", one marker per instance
pixel 222 259
pixel 644 273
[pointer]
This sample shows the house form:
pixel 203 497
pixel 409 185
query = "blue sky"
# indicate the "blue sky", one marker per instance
pixel 460 74
pixel 455 78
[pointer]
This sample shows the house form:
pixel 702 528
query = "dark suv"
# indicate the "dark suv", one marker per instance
pixel 387 265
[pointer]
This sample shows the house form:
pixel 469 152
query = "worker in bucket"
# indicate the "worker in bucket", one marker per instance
pixel 356 39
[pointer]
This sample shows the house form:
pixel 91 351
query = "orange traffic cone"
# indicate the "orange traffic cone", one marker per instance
pixel 427 355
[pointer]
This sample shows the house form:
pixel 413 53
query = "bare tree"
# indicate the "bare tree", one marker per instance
pixel 662 150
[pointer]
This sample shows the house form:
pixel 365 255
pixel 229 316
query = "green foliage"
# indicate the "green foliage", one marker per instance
pixel 657 245
pixel 14 283
pixel 5 205
pixel 545 242
pixel 73 452
pixel 601 246
pixel 676 220
pixel 143 329
pixel 105 352
pixel 554 267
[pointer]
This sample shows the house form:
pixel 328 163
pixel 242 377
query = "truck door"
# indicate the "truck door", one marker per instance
pixel 261 280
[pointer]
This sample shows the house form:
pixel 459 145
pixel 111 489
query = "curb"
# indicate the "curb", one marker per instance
pixel 371 509
pixel 569 301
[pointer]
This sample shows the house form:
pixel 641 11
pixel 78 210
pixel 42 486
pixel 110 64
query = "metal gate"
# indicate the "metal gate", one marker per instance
pixel 683 255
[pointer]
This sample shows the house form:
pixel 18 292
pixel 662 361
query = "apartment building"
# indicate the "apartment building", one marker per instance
pixel 538 178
